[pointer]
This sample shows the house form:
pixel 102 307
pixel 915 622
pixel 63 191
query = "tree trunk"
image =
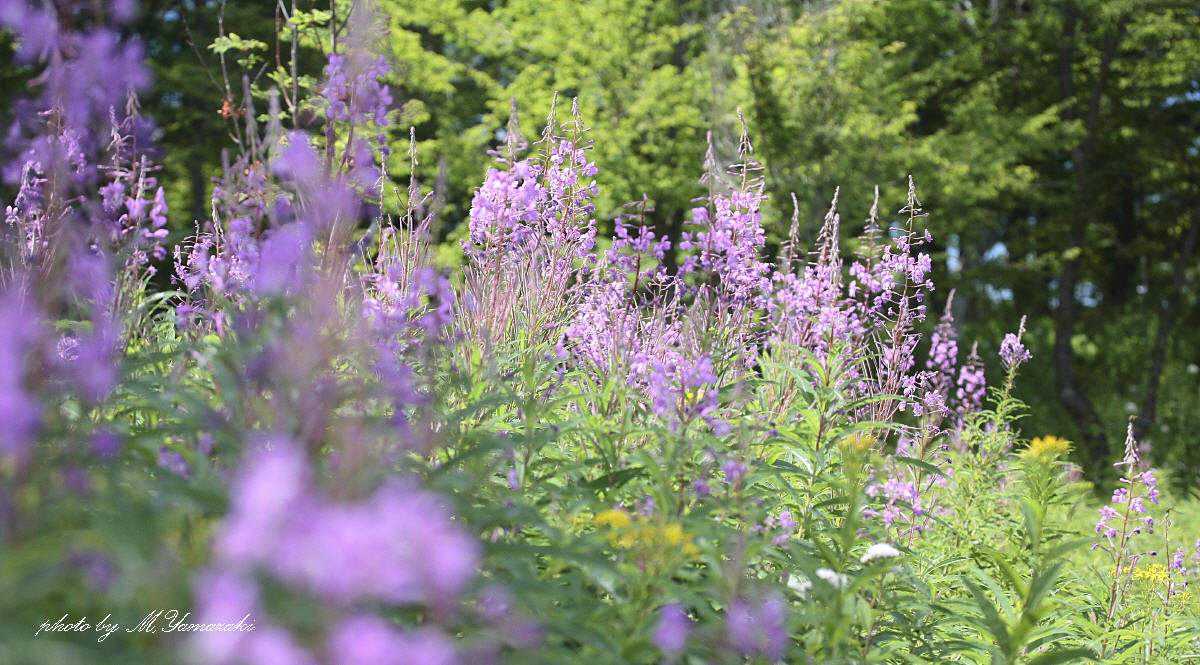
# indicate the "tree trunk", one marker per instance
pixel 1167 316
pixel 1072 396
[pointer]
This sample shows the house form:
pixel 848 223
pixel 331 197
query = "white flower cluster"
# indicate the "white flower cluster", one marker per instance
pixel 836 580
pixel 879 551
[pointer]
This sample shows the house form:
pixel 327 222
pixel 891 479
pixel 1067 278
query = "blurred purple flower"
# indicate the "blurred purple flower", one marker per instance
pixel 671 630
pixel 172 461
pixel 158 211
pixel 98 570
pixel 106 444
pixel 271 488
pixel 758 628
pixel 398 545
pixel 272 645
pixel 85 77
pixel 734 471
pixel 224 597
pixel 368 640
pixel 285 260
pixel 19 411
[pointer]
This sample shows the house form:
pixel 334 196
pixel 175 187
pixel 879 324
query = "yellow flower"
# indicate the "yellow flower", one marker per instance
pixel 673 534
pixel 1154 573
pixel 857 443
pixel 613 519
pixel 643 537
pixel 1045 449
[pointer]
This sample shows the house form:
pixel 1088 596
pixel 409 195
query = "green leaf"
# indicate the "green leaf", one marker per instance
pixel 1041 585
pixel 1006 567
pixel 232 42
pixel 920 464
pixel 616 478
pixel 1034 515
pixel 992 620
pixel 1064 656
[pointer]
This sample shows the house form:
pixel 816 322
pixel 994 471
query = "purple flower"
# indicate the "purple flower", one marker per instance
pixel 112 195
pixel 19 411
pixel 679 388
pixel 368 640
pixel 671 631
pixel 1176 563
pixel 943 356
pixel 898 494
pixel 92 365
pixel 495 604
pixel 1150 483
pixel 786 524
pixel 1131 496
pixel 223 597
pixel 136 208
pixel 172 461
pixel 105 444
pixel 352 91
pixel 740 625
pixel 272 645
pixel 539 207
pixel 272 487
pixel 284 260
pixel 971 383
pixel 1012 352
pixel 322 201
pixel 645 507
pixel 758 628
pixel 98 569
pixel 84 79
pixel 1103 527
pixel 786 521
pixel 727 247
pixel 398 545
pixel 503 211
pixel 734 471
pixel 158 211
pixel 204 444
